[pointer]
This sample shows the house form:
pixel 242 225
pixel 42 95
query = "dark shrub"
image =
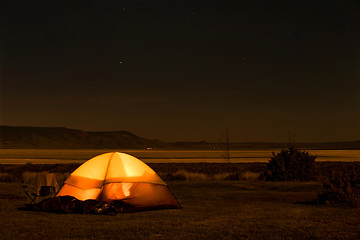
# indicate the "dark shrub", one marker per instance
pixel 5 177
pixel 342 187
pixel 233 176
pixel 290 164
pixel 172 176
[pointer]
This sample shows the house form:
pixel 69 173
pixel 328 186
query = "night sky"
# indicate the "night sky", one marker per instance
pixel 184 70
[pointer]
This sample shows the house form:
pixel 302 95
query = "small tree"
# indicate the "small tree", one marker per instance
pixel 290 164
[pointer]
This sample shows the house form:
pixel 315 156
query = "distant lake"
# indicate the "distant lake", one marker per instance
pixel 51 156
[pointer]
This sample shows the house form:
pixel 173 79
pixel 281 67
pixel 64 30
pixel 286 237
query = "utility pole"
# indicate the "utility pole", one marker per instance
pixel 226 146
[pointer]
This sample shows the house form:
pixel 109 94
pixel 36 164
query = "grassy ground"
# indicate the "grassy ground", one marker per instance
pixel 211 210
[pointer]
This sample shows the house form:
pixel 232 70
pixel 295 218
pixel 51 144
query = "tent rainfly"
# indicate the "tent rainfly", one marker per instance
pixel 119 176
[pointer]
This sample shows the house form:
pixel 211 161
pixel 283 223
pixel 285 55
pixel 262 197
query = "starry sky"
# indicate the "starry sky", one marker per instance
pixel 184 70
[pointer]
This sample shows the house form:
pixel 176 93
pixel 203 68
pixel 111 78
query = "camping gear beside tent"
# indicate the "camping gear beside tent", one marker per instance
pixel 36 180
pixel 118 176
pixel 45 192
pixel 69 204
pixel 41 184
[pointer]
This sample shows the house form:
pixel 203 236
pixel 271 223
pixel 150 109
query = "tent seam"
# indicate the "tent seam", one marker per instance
pixel 137 182
pixel 82 188
pixel 107 169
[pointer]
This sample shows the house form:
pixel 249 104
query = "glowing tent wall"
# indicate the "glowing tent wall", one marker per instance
pixel 119 176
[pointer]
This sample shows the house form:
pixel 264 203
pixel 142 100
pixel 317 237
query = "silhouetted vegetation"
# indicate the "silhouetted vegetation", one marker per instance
pixel 291 164
pixel 342 187
pixel 180 171
pixel 167 171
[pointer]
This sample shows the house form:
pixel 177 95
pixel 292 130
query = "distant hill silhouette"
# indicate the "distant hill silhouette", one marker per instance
pixel 268 145
pixel 60 137
pixel 65 138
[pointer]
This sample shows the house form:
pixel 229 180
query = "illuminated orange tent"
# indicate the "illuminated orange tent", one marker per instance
pixel 119 176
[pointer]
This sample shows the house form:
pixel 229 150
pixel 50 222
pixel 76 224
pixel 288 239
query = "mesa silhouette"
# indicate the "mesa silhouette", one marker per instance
pixel 60 137
pixel 65 138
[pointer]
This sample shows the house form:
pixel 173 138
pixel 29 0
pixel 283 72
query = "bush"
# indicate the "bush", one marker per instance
pixel 5 177
pixel 342 187
pixel 250 176
pixel 290 164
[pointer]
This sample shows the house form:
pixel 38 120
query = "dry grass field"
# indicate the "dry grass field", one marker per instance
pixel 220 201
pixel 211 210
